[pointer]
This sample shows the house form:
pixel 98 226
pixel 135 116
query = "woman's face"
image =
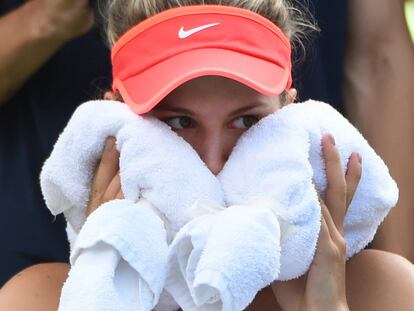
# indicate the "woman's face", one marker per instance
pixel 211 113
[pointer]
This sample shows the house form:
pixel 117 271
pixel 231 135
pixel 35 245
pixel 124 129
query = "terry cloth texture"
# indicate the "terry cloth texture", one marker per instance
pixel 256 222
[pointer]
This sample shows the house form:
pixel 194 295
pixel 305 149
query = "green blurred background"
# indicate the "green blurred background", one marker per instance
pixel 409 13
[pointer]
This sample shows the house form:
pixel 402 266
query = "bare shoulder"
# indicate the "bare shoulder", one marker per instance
pixel 378 280
pixel 39 285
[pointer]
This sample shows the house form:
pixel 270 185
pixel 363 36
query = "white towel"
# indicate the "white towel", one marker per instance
pixel 66 176
pixel 278 171
pixel 154 163
pixel 270 170
pixel 277 160
pixel 117 240
pixel 166 170
pixel 271 161
pixel 209 257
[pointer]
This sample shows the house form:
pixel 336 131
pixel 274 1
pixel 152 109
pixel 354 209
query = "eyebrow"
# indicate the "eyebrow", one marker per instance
pixel 166 107
pixel 241 110
pixel 249 107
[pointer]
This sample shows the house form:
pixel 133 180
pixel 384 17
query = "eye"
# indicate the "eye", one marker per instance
pixel 179 123
pixel 245 122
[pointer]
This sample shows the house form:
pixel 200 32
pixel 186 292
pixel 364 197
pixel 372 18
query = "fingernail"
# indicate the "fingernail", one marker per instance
pixel 359 158
pixel 332 139
pixel 110 142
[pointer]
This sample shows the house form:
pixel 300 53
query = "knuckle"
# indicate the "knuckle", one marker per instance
pixel 336 251
pixel 341 190
pixel 341 244
pixel 343 196
pixel 333 253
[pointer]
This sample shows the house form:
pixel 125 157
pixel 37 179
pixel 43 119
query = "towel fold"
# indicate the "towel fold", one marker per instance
pixel 165 169
pixel 119 260
pixel 66 176
pixel 271 161
pixel 210 256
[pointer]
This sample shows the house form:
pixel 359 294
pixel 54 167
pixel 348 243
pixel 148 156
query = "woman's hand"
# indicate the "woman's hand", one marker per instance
pixel 323 287
pixel 106 185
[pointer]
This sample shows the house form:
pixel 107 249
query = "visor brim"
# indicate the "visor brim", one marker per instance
pixel 144 91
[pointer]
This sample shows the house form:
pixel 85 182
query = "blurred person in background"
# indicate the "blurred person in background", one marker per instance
pixel 378 97
pixel 51 60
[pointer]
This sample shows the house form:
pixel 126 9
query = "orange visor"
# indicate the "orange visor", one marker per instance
pixel 166 50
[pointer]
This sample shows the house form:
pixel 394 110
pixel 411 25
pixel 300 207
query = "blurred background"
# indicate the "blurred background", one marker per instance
pixel 409 13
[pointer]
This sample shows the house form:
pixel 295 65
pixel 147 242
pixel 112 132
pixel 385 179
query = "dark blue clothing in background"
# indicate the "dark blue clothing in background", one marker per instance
pixel 31 121
pixel 320 76
pixel 29 126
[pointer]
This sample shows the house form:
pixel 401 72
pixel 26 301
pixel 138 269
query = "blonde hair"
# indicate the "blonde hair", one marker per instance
pixel 294 20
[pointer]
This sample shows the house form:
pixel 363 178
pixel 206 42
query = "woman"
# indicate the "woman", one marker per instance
pixel 211 111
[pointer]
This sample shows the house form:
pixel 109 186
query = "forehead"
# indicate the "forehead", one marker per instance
pixel 215 92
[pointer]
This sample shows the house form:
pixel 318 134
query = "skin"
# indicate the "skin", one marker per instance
pixel 378 92
pixel 34 32
pixel 371 280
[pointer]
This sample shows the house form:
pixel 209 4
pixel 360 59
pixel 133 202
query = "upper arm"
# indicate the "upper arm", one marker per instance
pixel 378 280
pixel 36 288
pixel 379 51
pixel 374 22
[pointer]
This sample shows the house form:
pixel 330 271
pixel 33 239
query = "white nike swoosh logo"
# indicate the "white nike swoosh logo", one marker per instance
pixel 182 34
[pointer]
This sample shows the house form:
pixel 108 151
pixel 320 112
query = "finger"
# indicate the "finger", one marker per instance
pixel 353 176
pixel 333 230
pixel 325 213
pixel 113 189
pixel 331 244
pixel 335 195
pixel 325 230
pixel 106 170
